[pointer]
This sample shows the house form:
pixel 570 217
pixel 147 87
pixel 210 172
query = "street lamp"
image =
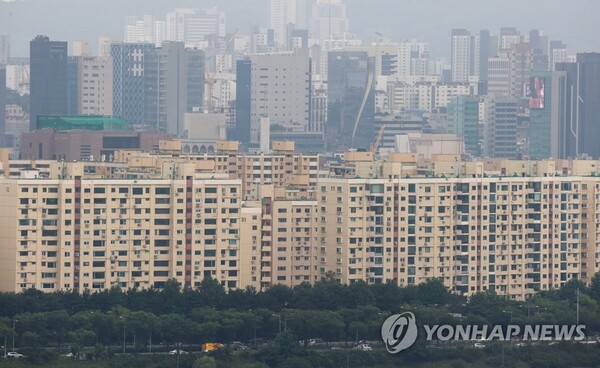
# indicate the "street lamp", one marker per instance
pixel 511 316
pixel 278 316
pixel 15 320
pixel 122 318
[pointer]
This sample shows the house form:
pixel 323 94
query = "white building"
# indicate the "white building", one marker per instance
pixel 4 49
pixel 281 13
pixel 329 20
pixel 462 57
pixel 280 90
pixel 95 89
pixel 193 25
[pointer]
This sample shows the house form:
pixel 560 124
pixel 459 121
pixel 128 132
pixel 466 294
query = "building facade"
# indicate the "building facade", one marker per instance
pixel 48 78
pixel 351 100
pixel 128 80
pixel 173 86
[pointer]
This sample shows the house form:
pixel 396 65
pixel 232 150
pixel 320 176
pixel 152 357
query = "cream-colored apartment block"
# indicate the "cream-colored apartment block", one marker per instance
pixel 356 229
pixel 95 234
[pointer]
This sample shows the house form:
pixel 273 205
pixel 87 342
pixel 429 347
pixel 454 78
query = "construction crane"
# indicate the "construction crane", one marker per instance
pixel 379 138
pixel 219 67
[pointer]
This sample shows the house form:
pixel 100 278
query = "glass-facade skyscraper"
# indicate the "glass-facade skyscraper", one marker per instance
pixel 351 104
pixel 48 78
pixel 128 80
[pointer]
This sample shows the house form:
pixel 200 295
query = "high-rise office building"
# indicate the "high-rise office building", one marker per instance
pixel 463 120
pixel 520 57
pixel 281 14
pixel 498 81
pixel 487 48
pixel 48 78
pixel 173 85
pixel 243 98
pixel 462 55
pixel 538 41
pixel 582 132
pixel 351 100
pixel 193 25
pixel 500 127
pixel 329 20
pixel 547 114
pixel 280 90
pixel 95 85
pixel 72 85
pixel 509 36
pixel 4 49
pixel 128 80
pixel 557 54
pixel 2 105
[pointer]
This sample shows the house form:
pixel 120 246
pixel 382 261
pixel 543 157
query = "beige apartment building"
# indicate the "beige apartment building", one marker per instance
pixel 282 167
pixel 515 236
pixel 95 234
pixel 514 227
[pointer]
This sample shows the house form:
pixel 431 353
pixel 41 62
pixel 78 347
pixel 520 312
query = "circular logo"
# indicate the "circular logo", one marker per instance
pixel 399 332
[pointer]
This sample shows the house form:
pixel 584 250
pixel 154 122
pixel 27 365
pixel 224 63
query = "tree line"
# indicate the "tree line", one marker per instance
pixel 327 310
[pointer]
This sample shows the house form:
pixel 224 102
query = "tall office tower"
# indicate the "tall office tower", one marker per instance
pixel 48 78
pixel 521 59
pixel 351 100
pixel 329 20
pixel 281 14
pixel 160 32
pixel 72 85
pixel 462 55
pixel 81 48
pixel 140 30
pixel 538 41
pixel 4 49
pixel 95 85
pixel 411 58
pixel 557 54
pixel 509 36
pixel 128 80
pixel 173 85
pixel 500 127
pixel 303 13
pixel 243 99
pixel 193 25
pixel 547 114
pixel 582 132
pixel 463 120
pixel 280 89
pixel 488 47
pixel 3 141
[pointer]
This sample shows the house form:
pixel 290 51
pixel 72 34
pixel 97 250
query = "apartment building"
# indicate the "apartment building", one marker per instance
pixel 513 227
pixel 282 167
pixel 73 233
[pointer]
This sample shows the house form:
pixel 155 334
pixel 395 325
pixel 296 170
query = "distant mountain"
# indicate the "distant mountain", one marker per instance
pixel 573 21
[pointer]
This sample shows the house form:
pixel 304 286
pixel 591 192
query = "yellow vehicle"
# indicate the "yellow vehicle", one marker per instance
pixel 211 346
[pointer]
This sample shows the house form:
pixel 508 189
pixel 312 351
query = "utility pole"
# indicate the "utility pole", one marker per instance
pixel 577 306
pixel 14 333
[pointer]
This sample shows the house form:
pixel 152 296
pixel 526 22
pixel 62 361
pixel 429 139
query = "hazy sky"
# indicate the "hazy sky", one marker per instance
pixel 573 21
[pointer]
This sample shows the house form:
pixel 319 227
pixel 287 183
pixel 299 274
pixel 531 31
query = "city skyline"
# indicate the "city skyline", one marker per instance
pixel 24 20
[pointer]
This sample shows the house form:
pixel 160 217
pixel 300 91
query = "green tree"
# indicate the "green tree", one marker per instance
pixel 205 362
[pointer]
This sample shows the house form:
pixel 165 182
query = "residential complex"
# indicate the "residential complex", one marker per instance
pixel 513 227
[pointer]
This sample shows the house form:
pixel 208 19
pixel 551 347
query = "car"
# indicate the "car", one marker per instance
pixel 68 355
pixel 363 347
pixel 14 354
pixel 238 346
pixel 479 345
pixel 175 352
